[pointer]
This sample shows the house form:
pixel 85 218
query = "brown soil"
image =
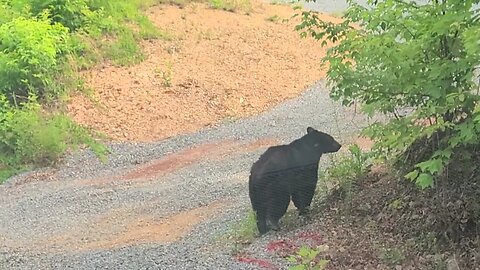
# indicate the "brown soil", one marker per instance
pixel 223 65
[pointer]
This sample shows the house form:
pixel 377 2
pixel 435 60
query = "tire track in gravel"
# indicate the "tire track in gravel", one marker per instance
pixel 162 205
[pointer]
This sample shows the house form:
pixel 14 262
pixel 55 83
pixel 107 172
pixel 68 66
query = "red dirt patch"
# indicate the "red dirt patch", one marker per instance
pixel 265 142
pixel 282 247
pixel 184 158
pixel 178 160
pixel 171 162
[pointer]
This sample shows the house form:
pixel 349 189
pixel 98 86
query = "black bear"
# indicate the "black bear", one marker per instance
pixel 284 172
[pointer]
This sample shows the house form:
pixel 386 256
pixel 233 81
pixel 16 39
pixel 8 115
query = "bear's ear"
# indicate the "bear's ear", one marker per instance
pixel 310 130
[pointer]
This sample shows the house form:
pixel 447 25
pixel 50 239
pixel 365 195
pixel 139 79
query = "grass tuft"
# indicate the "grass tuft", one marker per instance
pixel 232 5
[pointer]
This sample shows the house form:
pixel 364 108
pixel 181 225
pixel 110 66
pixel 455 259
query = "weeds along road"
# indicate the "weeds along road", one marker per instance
pixel 164 205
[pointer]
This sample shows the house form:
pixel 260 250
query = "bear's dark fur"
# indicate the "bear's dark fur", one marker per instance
pixel 284 172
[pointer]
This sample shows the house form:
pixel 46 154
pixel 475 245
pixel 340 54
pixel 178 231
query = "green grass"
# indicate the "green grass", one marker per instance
pixel 5 173
pixel 244 232
pixel 247 228
pixel 124 50
pixel 232 5
pixel 30 138
pixel 149 31
pixel 123 21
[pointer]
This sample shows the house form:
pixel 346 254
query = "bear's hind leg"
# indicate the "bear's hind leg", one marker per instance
pixel 261 222
pixel 277 207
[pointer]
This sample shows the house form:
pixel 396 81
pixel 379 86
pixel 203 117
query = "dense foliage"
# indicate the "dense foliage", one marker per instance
pixel 31 49
pixel 396 54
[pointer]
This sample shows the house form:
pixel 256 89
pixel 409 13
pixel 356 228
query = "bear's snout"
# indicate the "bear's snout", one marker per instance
pixel 338 146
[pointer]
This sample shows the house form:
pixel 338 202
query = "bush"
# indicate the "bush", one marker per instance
pixel 30 137
pixel 29 58
pixel 307 258
pixel 95 18
pixel 72 14
pixel 6 13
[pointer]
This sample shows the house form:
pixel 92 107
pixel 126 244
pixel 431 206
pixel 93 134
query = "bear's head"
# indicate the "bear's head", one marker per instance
pixel 322 142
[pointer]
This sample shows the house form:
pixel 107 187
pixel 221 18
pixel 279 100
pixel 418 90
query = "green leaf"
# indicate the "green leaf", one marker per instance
pixel 431 166
pixel 304 251
pixel 412 175
pixel 424 180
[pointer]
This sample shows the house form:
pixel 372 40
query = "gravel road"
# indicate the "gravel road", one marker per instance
pixel 163 205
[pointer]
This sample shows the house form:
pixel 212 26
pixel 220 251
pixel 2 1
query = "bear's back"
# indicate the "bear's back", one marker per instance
pixel 275 160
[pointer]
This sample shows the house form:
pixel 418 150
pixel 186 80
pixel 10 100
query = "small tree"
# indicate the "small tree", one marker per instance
pixel 396 54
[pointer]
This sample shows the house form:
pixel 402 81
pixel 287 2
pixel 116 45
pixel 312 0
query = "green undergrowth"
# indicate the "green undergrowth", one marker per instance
pixel 343 171
pixel 30 137
pixel 417 65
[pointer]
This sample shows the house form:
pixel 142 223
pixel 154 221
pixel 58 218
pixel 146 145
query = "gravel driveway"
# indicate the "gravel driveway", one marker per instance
pixel 161 205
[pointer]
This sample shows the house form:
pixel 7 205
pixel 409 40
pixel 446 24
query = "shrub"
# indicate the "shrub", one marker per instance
pixel 96 18
pixel 42 43
pixel 307 258
pixel 72 14
pixel 6 13
pixel 29 58
pixel 30 137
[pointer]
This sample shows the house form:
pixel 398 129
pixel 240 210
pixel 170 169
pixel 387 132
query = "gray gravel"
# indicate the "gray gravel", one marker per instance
pixel 37 211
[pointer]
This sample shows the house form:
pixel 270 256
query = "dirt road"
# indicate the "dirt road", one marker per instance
pixel 160 205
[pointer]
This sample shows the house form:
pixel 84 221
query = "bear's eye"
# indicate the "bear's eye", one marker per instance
pixel 316 145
